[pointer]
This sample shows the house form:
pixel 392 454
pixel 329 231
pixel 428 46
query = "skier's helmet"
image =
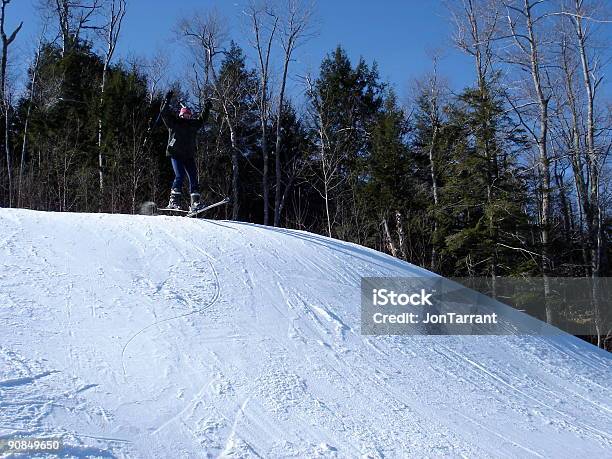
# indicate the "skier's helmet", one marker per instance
pixel 185 113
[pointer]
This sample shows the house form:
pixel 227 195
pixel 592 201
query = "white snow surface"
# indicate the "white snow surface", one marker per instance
pixel 136 336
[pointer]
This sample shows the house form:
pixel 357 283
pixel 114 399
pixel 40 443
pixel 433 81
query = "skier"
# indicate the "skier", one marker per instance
pixel 181 149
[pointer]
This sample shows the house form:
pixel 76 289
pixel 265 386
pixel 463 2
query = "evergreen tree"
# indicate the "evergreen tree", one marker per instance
pixel 233 92
pixel 343 103
pixel 392 194
pixel 483 196
pixel 61 145
pixel 430 144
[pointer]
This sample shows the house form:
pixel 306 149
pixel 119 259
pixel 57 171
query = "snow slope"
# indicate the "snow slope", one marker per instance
pixel 135 336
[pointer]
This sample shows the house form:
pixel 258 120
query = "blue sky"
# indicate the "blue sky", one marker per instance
pixel 399 35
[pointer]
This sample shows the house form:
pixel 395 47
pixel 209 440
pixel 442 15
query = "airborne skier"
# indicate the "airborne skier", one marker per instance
pixel 182 133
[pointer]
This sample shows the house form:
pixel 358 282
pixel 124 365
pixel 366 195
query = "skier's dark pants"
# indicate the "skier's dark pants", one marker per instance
pixel 182 166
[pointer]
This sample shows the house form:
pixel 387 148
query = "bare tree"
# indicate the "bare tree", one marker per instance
pixel 33 84
pixel 205 36
pixel 432 90
pixel 137 156
pixel 526 22
pixel 294 30
pixel 585 56
pixel 399 226
pixel 264 24
pixel 73 16
pixel 581 15
pixel 388 239
pixel 7 40
pixel 330 152
pixel 156 72
pixel 116 13
pixel 569 135
pixel 476 27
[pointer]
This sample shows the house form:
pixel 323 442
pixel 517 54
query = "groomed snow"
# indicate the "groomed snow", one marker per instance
pixel 136 336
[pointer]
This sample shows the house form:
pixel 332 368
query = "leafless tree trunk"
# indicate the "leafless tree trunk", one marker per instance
pixel 476 26
pixel 530 57
pixel 27 119
pixel 433 172
pixel 387 237
pixel 112 29
pixel 73 17
pixel 328 158
pixel 591 82
pixel 580 15
pixel 400 233
pixel 6 42
pixel 263 19
pixel 235 166
pixel 328 169
pixel 294 29
pixel 570 135
pixel 431 89
pixel 156 71
pixel 137 160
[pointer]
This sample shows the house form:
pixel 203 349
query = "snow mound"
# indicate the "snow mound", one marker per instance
pixel 136 336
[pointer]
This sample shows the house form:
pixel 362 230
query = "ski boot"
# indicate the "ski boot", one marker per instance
pixel 196 204
pixel 175 200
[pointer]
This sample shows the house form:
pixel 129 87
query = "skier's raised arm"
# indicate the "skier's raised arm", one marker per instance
pixel 204 114
pixel 167 116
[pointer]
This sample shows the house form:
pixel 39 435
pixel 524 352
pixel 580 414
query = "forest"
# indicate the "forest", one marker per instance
pixel 508 177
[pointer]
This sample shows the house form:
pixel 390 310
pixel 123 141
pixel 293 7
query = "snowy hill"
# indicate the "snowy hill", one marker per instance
pixel 135 336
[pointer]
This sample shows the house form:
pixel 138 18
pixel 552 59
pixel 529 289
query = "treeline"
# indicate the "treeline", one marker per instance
pixel 508 177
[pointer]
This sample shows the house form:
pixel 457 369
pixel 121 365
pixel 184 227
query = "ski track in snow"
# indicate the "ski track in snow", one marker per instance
pixel 195 309
pixel 133 336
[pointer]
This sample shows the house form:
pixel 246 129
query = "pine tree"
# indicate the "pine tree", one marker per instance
pixel 233 92
pixel 483 196
pixel 392 194
pixel 343 103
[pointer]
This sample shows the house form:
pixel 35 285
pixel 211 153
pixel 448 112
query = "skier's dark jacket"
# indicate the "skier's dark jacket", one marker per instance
pixel 182 133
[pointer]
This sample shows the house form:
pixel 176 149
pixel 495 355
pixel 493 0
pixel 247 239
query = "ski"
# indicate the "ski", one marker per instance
pixel 171 211
pixel 188 213
pixel 204 209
